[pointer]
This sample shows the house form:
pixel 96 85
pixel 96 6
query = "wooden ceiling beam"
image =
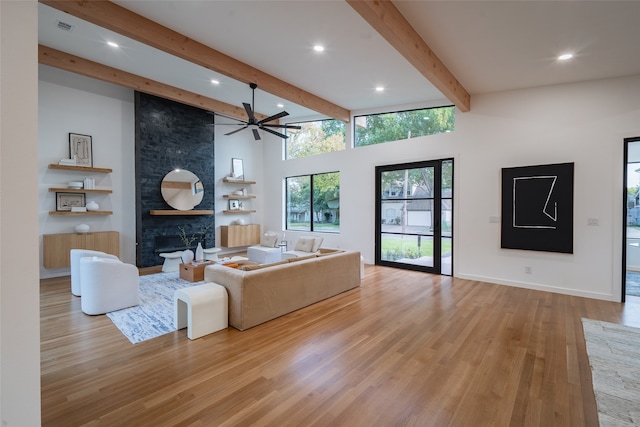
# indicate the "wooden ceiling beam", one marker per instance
pixel 385 18
pixel 75 64
pixel 123 21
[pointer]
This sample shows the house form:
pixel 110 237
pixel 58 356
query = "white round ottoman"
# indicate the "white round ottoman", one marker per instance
pixel 172 261
pixel 211 254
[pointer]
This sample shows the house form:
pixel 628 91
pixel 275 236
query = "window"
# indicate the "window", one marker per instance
pixel 322 136
pixel 378 128
pixel 313 202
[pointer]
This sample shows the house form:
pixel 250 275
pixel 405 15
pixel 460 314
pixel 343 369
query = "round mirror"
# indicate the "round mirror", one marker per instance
pixel 182 189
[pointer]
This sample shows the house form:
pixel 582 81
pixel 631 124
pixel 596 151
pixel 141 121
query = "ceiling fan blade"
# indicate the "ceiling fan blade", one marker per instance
pixel 237 130
pixel 256 135
pixel 281 135
pixel 247 108
pixel 274 117
pixel 283 126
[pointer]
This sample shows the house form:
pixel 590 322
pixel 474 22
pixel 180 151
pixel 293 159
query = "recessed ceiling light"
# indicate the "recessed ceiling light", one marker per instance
pixel 565 56
pixel 379 88
pixel 113 44
pixel 318 48
pixel 280 105
pixel 215 82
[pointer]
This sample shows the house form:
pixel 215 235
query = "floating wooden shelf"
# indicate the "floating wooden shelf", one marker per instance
pixel 235 181
pixel 235 196
pixel 80 190
pixel 237 211
pixel 67 213
pixel 80 168
pixel 175 212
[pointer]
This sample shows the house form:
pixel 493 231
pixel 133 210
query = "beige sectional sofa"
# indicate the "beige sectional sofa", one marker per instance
pixel 259 293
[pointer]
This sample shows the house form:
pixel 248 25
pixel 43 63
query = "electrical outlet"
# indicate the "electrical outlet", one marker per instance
pixel 527 269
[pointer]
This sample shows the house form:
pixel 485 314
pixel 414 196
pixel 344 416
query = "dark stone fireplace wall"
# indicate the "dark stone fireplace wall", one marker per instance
pixel 170 135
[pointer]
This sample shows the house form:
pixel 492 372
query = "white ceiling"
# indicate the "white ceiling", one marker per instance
pixel 488 45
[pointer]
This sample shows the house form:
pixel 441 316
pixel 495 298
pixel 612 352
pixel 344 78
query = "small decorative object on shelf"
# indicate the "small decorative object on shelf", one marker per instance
pixel 80 149
pixel 65 201
pixel 240 221
pixel 92 206
pixel 82 228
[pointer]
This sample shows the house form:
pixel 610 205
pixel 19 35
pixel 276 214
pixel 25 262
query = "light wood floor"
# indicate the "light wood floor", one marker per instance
pixel 404 349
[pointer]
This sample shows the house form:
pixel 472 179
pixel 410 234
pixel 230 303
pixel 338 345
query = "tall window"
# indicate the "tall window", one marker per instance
pixel 322 136
pixel 378 128
pixel 313 202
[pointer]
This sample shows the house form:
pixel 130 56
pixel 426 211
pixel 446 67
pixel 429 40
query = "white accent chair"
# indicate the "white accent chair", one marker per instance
pixel 107 285
pixel 75 255
pixel 267 251
pixel 306 245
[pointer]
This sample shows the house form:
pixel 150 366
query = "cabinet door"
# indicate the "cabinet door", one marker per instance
pixel 232 236
pixel 107 242
pixel 56 248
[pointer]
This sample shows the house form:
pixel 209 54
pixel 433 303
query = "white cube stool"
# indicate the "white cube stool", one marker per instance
pixel 202 309
pixel 172 261
pixel 211 254
pixel 263 254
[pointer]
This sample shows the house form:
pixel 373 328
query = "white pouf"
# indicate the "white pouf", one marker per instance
pixel 202 309
pixel 172 261
pixel 264 254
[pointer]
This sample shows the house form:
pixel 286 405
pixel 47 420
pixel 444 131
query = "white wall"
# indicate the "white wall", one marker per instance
pixel 72 103
pixel 19 286
pixel 241 146
pixel 584 123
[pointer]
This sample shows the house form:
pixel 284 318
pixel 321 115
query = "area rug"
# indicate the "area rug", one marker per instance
pixel 614 356
pixel 633 284
pixel 154 316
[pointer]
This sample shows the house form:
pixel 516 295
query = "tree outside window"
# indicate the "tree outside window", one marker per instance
pixel 313 202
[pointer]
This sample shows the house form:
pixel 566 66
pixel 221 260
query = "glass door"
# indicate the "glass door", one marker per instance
pixel 414 211
pixel 631 228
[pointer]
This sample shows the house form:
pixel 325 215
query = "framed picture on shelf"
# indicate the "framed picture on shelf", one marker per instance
pixel 237 169
pixel 234 204
pixel 80 149
pixel 66 201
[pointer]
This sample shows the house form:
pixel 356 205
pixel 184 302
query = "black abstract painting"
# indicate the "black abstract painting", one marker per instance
pixel 537 208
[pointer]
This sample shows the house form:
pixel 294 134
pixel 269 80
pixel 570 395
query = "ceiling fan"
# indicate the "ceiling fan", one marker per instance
pixel 254 124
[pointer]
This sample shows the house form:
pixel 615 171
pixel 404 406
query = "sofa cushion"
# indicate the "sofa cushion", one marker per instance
pixel 270 240
pixel 253 266
pixel 300 258
pixel 305 244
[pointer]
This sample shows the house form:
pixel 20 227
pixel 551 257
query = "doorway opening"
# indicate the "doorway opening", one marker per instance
pixel 631 224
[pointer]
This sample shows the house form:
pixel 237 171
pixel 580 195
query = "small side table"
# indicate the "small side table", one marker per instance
pixel 194 271
pixel 283 246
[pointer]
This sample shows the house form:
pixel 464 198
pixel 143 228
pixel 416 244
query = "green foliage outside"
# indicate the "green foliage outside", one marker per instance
pixel 317 137
pixel 394 248
pixel 386 127
pixel 326 199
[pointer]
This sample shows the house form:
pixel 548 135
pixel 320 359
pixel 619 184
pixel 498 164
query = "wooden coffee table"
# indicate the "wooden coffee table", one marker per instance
pixel 194 271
